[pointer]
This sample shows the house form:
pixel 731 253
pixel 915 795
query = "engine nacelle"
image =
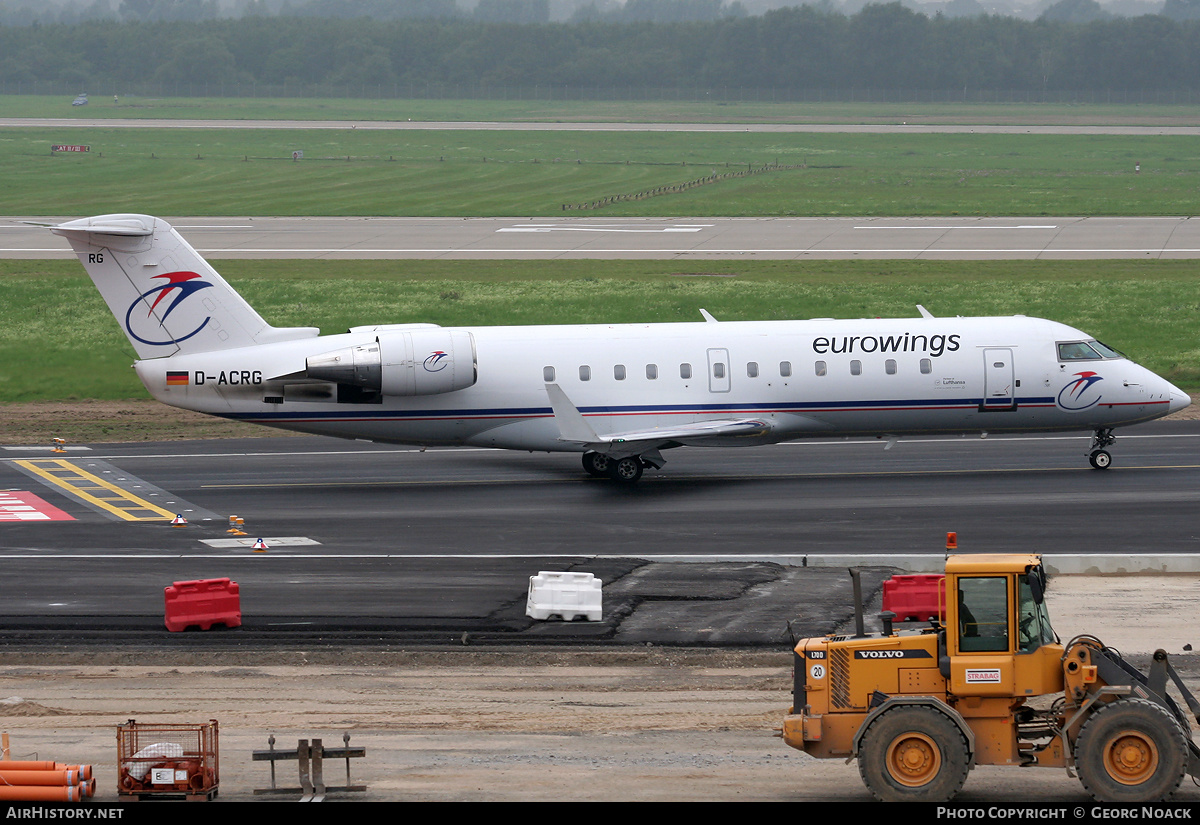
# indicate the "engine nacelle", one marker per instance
pixel 416 362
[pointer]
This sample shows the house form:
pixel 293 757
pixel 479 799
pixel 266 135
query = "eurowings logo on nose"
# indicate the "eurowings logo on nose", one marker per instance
pixel 437 361
pixel 151 329
pixel 1076 395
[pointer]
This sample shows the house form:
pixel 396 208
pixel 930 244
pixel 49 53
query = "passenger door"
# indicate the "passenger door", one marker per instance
pixel 999 389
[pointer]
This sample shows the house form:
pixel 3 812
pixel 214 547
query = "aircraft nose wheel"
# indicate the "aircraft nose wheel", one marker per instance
pixel 1100 458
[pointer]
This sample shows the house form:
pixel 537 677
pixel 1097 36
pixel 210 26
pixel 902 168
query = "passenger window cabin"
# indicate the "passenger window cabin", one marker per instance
pixel 1069 350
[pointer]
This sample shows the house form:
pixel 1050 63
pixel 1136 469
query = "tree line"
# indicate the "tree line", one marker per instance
pixel 884 47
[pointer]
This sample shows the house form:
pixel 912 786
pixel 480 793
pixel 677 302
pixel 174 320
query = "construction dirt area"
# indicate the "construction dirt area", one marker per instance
pixel 521 724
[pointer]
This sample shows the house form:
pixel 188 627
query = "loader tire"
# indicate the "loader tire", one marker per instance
pixel 913 754
pixel 1132 751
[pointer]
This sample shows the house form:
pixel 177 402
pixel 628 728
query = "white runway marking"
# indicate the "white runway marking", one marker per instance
pixel 46 449
pixel 601 228
pixel 943 228
pixel 270 541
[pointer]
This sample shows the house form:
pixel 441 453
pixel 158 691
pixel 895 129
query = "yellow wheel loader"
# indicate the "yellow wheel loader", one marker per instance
pixel 991 684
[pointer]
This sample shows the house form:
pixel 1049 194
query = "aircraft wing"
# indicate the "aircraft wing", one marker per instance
pixel 573 427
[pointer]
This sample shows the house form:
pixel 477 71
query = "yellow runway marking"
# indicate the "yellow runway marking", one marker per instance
pixel 91 488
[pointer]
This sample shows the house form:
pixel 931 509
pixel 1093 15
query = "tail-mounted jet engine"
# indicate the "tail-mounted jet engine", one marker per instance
pixel 420 362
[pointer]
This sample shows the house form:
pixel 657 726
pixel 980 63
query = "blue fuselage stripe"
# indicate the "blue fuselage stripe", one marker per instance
pixel 365 410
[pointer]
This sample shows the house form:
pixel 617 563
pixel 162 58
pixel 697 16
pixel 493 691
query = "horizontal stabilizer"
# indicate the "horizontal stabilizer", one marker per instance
pixel 132 226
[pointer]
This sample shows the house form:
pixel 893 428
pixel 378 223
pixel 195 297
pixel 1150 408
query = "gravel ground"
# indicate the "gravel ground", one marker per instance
pixel 524 724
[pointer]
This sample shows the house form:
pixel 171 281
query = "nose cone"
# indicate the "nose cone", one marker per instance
pixel 1179 400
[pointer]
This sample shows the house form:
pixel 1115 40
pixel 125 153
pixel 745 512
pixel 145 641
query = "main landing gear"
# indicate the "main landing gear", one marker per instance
pixel 1100 458
pixel 626 470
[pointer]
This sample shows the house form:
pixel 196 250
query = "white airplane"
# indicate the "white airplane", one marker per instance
pixel 619 394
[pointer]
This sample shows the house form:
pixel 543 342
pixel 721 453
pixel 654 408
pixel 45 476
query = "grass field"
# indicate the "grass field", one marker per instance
pixel 487 173
pixel 58 340
pixel 620 111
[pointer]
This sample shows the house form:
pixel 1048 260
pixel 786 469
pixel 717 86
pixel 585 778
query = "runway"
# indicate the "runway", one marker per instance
pixel 400 543
pixel 1065 238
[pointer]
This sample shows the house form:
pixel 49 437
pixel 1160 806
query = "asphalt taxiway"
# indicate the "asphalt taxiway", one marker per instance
pixel 724 546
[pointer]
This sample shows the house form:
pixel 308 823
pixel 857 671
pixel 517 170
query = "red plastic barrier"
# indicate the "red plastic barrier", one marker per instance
pixel 914 598
pixel 202 603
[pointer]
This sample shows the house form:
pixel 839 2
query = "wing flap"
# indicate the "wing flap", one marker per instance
pixel 695 433
pixel 574 427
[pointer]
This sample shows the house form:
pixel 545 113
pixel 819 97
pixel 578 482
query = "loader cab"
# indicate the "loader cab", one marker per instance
pixel 999 639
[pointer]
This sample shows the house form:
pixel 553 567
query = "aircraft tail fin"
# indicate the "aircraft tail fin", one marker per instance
pixel 165 296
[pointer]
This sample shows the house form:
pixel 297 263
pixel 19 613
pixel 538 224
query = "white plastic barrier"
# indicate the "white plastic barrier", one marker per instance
pixel 566 596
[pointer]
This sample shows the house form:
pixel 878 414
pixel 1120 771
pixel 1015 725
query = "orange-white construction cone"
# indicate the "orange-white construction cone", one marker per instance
pixel 60 445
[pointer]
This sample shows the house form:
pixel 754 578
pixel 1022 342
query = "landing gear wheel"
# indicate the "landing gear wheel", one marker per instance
pixel 625 470
pixel 1100 457
pixel 913 754
pixel 596 464
pixel 1131 751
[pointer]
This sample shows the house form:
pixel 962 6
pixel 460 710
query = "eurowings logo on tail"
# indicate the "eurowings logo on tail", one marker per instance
pixel 1076 395
pixel 149 330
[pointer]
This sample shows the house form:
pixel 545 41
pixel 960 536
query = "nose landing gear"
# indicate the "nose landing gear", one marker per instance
pixel 1100 458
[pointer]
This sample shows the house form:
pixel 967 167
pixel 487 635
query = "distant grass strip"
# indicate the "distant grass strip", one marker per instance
pixel 58 341
pixel 485 173
pixel 546 109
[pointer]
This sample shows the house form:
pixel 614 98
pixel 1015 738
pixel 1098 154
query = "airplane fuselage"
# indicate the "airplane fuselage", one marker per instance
pixel 619 394
pixel 805 378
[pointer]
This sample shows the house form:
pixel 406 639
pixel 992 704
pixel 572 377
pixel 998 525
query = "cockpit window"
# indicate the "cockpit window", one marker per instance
pixel 1077 351
pixel 1105 350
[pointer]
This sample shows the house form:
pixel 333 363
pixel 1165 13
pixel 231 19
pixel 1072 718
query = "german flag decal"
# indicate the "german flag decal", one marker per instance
pixel 177 379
